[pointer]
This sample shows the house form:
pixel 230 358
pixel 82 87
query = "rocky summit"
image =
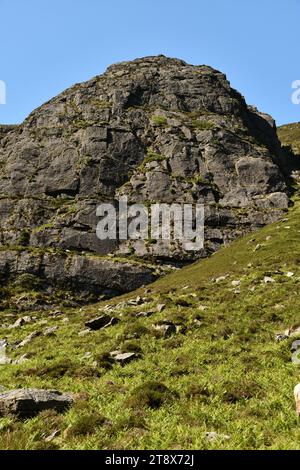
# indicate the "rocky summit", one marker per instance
pixel 155 130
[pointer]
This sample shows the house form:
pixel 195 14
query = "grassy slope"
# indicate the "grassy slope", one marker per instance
pixel 289 135
pixel 226 375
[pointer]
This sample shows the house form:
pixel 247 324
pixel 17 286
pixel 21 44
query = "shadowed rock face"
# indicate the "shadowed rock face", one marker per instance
pixel 155 130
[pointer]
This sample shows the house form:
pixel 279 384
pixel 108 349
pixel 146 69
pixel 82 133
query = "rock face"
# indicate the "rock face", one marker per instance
pixel 26 403
pixel 154 130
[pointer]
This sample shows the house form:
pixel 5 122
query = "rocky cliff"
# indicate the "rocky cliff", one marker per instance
pixel 155 129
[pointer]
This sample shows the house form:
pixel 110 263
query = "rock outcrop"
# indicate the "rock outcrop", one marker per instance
pixel 154 130
pixel 27 403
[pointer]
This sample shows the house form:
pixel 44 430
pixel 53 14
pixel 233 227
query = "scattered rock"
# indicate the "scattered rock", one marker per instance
pixel 18 323
pixel 290 274
pixel 84 332
pixel 124 358
pixel 219 279
pixel 295 346
pixel 29 338
pixel 56 313
pixel 21 360
pixel 297 398
pixel 144 314
pixel 280 337
pixel 198 322
pixel 236 283
pixel 268 280
pixel 113 118
pixel 295 331
pixel 202 307
pixel 3 357
pixel 53 436
pixel 137 301
pixel 27 403
pixel 258 247
pixel 181 328
pixel 104 321
pixel 161 307
pixel 115 353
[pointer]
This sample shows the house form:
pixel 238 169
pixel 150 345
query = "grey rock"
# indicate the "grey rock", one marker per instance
pixel 27 403
pixel 161 307
pixel 295 331
pixel 280 337
pixel 53 436
pixel 144 314
pixel 18 323
pixel 21 360
pixel 84 332
pixel 137 301
pixel 104 321
pixel 87 355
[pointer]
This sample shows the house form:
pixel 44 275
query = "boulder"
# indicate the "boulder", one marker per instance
pixel 27 403
pixel 124 358
pixel 104 321
pixel 166 328
pixel 297 399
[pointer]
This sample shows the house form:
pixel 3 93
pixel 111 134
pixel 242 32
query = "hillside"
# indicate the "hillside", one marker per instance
pixel 222 372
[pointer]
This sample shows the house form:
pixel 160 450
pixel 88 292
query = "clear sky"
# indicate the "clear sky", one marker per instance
pixel 48 45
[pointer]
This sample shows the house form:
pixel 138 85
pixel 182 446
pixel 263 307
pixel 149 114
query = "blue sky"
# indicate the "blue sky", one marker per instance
pixel 48 45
